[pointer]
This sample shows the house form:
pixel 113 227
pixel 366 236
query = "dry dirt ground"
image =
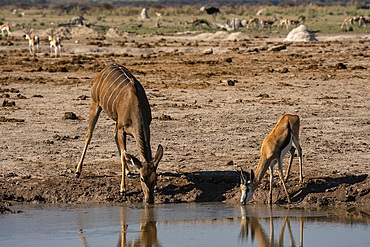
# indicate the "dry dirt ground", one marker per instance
pixel 214 98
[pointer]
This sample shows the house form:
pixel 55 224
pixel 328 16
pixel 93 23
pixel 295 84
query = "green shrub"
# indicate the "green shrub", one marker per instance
pixel 312 13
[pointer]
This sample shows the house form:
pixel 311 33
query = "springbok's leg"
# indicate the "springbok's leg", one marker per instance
pixel 280 167
pixel 119 149
pixel 95 110
pixel 271 182
pixel 300 162
pixel 121 136
pixel 296 143
pixel 292 150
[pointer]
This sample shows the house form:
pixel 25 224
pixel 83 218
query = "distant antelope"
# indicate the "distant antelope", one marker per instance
pixel 293 22
pixel 158 14
pixel 197 22
pixel 282 22
pixel 356 19
pixel 7 28
pixel 54 42
pixel 253 21
pixel 274 147
pixel 33 42
pixel 267 23
pixel 363 22
pixel 116 91
pixel 347 21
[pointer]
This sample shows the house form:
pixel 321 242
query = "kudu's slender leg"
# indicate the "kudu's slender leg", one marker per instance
pixel 121 139
pixel 119 148
pixel 95 110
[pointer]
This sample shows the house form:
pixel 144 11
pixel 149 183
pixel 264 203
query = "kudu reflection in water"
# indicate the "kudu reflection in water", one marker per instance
pixel 250 224
pixel 147 236
pixel 148 229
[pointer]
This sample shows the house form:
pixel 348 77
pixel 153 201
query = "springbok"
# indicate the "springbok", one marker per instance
pixel 197 22
pixel 33 41
pixel 253 21
pixel 347 21
pixel 282 22
pixel 54 42
pixel 363 22
pixel 7 28
pixel 293 22
pixel 267 23
pixel 273 149
pixel 116 91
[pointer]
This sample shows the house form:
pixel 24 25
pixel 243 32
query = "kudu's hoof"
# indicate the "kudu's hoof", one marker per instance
pixel 77 175
pixel 122 195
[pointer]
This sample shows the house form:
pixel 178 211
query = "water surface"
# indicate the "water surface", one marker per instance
pixel 210 224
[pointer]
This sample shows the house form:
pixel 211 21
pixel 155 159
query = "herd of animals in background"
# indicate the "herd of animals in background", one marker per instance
pixel 350 21
pixel 110 91
pixel 34 41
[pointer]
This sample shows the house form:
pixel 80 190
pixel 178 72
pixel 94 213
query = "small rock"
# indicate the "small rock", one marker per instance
pixel 277 48
pixel 231 82
pixel 8 103
pixel 165 117
pixel 340 66
pixel 207 51
pixel 70 115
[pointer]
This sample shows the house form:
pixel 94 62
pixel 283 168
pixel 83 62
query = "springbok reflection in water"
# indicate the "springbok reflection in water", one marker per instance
pixel 251 224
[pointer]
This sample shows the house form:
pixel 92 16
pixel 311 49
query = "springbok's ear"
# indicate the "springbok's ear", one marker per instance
pixel 158 156
pixel 132 160
pixel 252 176
pixel 242 176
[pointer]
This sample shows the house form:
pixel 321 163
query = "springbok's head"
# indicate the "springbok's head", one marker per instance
pixel 246 183
pixel 148 175
pixel 50 34
pixel 27 33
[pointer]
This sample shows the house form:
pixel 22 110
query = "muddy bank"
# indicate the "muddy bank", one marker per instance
pixel 213 102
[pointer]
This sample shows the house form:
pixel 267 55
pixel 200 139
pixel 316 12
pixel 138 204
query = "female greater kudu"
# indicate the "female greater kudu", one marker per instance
pixel 116 91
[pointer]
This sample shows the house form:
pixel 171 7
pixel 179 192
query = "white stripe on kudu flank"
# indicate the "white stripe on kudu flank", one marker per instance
pixel 119 93
pixel 111 84
pixel 123 72
pixel 97 88
pixel 114 90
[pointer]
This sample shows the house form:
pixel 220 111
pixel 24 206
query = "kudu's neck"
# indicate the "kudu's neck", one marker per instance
pixel 142 137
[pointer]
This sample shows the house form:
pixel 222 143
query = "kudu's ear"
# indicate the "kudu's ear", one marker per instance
pixel 158 155
pixel 132 160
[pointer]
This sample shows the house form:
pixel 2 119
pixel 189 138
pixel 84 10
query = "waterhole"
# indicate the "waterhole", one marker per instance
pixel 209 224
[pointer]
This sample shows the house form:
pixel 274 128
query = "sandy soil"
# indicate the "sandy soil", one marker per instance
pixel 214 98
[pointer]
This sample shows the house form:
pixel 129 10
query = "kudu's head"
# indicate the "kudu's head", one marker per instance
pixel 148 175
pixel 246 184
